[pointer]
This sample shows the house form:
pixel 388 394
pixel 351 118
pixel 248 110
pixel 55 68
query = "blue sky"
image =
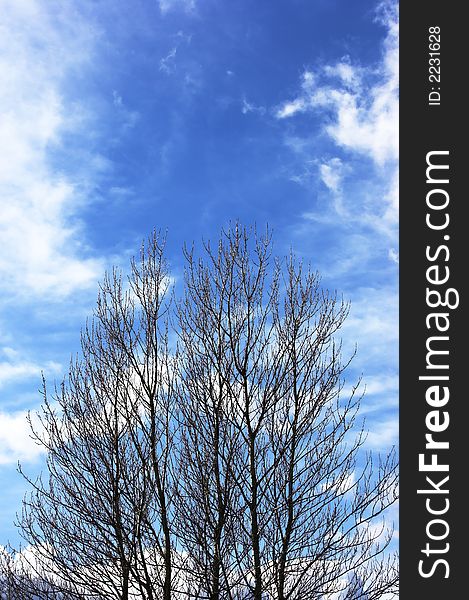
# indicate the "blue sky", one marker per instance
pixel 117 117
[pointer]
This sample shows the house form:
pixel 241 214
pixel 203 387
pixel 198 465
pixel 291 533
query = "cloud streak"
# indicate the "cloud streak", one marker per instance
pixel 13 367
pixel 363 102
pixel 169 5
pixel 357 107
pixel 41 251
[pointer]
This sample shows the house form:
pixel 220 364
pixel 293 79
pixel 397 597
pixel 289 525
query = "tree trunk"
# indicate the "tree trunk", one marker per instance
pixel 255 538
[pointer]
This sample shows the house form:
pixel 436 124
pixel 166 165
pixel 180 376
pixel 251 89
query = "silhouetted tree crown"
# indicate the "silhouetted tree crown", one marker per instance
pixel 201 445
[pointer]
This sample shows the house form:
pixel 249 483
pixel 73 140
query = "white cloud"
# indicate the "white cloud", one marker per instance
pixel 14 367
pixel 364 102
pixel 176 60
pixel 331 173
pixel 248 107
pixel 383 434
pixel 128 117
pixel 394 255
pixel 382 384
pixel 373 324
pixel 41 252
pixel 168 5
pixel 16 443
pixel 291 108
pixel 344 71
pixel 358 107
pixel 22 370
pixel 167 62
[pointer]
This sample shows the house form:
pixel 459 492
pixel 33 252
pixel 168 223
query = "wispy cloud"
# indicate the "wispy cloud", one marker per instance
pixel 15 367
pixel 394 255
pixel 373 325
pixel 168 5
pixel 288 109
pixel 363 102
pixel 128 118
pixel 167 62
pixel 249 107
pixel 41 47
pixel 357 109
pixel 16 443
pixel 383 384
pixel 178 62
pixel 332 172
pixel 383 434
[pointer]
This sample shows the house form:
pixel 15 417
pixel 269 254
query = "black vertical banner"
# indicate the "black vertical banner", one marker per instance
pixel 434 430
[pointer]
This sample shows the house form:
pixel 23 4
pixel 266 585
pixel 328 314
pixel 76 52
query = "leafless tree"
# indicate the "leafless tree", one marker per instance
pixel 226 467
pixel 100 523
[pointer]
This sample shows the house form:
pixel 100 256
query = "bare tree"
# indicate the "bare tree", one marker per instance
pixel 227 467
pixel 100 524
